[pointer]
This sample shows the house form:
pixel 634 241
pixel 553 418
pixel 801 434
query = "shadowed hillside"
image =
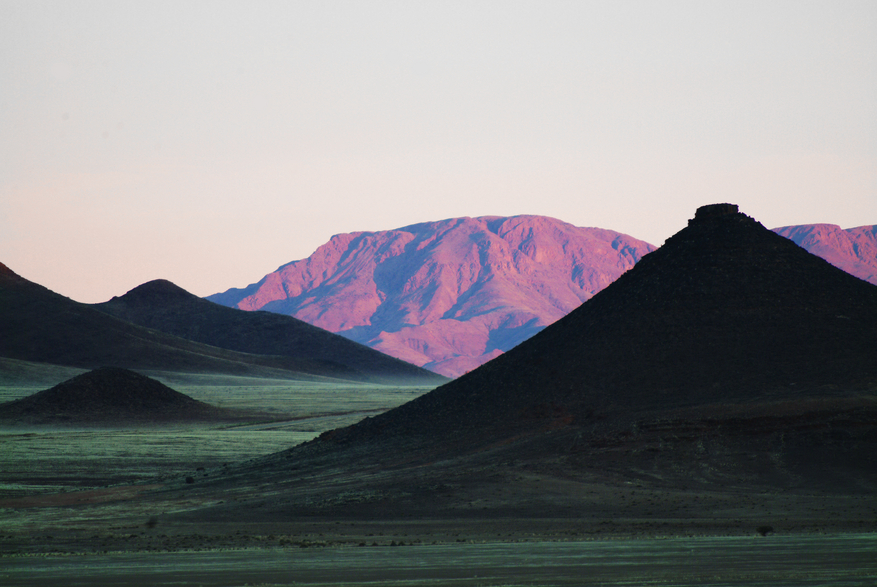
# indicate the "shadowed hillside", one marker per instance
pixel 725 312
pixel 728 360
pixel 39 325
pixel 111 396
pixel 163 306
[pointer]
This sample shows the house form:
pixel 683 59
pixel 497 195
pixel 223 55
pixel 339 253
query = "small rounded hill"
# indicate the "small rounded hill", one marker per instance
pixel 109 396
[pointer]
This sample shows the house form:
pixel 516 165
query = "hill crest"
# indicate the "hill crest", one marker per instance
pixel 163 306
pixel 41 326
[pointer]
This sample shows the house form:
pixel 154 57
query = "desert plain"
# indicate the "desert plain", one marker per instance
pixel 113 506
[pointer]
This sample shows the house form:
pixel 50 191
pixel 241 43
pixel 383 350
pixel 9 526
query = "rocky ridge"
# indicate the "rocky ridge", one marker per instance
pixel 447 295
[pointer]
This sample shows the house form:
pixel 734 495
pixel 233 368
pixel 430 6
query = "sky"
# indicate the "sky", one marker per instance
pixel 208 143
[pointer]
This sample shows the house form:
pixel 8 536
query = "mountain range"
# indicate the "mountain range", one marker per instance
pixel 725 313
pixel 854 250
pixel 41 326
pixel 453 294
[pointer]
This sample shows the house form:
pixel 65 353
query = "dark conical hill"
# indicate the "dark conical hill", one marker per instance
pixel 107 396
pixel 164 306
pixel 730 361
pixel 725 312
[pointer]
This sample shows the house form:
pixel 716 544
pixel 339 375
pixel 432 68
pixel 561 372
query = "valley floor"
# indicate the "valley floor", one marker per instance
pixel 792 560
pixel 115 507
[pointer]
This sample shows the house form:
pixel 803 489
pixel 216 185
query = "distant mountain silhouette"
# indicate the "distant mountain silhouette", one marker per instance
pixel 447 295
pixel 41 326
pixel 163 306
pixel 110 396
pixel 854 250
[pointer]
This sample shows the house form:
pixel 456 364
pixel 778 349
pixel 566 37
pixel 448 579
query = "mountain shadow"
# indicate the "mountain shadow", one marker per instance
pixel 163 306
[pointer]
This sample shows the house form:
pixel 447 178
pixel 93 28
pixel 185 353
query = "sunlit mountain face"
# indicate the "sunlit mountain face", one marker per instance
pixel 447 295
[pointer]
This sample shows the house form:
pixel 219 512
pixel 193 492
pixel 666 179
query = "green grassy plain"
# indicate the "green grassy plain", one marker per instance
pixel 108 509
pixel 44 460
pixel 783 561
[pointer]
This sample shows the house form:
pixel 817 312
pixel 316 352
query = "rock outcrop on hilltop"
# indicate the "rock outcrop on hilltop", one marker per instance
pixel 447 295
pixel 853 249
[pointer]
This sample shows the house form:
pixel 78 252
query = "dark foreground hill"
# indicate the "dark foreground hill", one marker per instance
pixel 729 364
pixel 163 306
pixel 725 313
pixel 41 326
pixel 111 396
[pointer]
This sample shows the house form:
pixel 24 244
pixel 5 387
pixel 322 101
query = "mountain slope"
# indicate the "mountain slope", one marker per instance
pixel 447 295
pixel 725 312
pixel 163 306
pixel 42 326
pixel 854 250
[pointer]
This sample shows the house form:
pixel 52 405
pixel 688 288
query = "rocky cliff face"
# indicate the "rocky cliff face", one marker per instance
pixel 447 295
pixel 854 250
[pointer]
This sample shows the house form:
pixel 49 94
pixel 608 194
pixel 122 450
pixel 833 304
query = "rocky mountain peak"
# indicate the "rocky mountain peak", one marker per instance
pixel 448 295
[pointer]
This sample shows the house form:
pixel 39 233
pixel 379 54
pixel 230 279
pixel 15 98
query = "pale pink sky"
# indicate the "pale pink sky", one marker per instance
pixel 210 142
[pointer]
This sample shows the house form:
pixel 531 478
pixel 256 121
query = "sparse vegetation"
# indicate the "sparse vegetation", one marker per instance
pixel 32 462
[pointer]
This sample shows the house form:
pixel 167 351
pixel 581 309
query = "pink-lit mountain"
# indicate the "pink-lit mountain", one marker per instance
pixel 854 250
pixel 447 295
